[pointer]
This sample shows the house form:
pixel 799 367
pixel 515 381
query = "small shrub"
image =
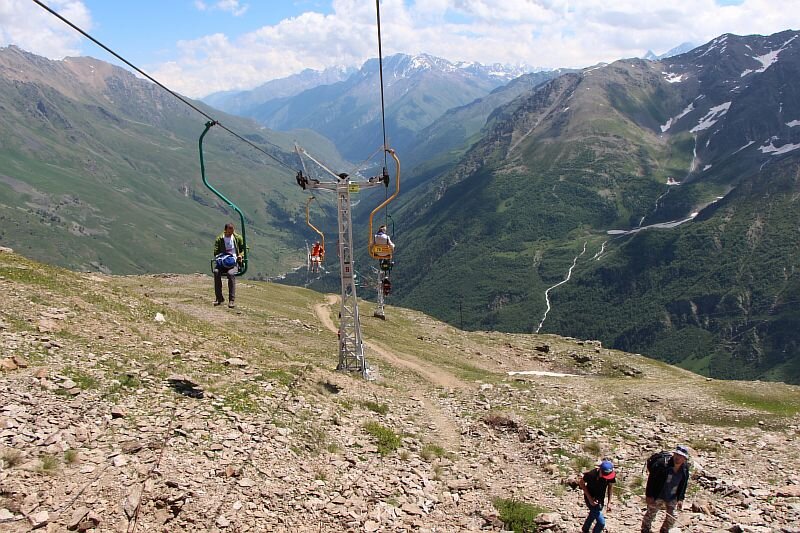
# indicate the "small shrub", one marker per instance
pixel 11 457
pixel 499 421
pixel 592 447
pixel 431 451
pixel 636 485
pixel 71 456
pixel 516 515
pixel 582 463
pixel 704 444
pixel 388 441
pixel 316 439
pixel 380 408
pixel 49 464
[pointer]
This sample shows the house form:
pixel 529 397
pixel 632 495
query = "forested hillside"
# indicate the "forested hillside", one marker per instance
pixel 669 185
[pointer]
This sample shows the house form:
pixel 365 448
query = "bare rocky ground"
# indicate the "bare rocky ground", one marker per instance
pixel 131 404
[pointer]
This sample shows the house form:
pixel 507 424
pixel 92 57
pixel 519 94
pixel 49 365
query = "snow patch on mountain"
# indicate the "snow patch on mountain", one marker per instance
pixel 689 108
pixel 711 118
pixel 669 77
pixel 713 45
pixel 768 59
pixel 777 150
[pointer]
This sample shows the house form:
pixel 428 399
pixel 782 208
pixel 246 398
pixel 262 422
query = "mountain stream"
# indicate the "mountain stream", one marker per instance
pixel 563 281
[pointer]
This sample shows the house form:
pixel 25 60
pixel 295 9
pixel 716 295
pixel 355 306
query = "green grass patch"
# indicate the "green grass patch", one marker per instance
pixel 388 440
pixel 243 398
pixel 124 382
pixel 516 515
pixel 281 376
pixel 83 380
pixel 598 422
pixel 772 400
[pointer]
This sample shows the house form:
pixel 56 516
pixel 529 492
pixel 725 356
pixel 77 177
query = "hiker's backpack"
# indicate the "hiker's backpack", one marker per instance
pixel 225 262
pixel 658 461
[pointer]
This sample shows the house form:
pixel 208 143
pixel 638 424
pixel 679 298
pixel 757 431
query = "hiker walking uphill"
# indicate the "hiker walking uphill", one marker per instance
pixel 666 487
pixel 596 484
pixel 228 253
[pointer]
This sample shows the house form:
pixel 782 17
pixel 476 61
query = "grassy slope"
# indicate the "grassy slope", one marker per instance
pixel 81 176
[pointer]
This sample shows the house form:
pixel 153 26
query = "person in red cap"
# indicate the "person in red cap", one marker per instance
pixel 596 483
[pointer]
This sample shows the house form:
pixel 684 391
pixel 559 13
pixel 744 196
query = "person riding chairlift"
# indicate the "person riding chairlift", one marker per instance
pixel 383 238
pixel 317 253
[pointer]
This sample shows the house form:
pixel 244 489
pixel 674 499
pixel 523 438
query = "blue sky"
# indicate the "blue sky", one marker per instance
pixel 201 46
pixel 151 28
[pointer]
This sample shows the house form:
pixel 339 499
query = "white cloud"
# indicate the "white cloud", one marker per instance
pixel 30 27
pixel 542 33
pixel 231 6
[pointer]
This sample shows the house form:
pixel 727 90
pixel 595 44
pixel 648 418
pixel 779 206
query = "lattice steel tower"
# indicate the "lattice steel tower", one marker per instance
pixel 351 346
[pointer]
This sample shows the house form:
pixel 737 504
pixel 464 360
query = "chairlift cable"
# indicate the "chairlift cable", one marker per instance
pixel 321 165
pixel 380 71
pixel 170 91
pixel 383 104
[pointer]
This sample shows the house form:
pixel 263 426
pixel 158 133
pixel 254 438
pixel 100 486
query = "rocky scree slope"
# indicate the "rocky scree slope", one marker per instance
pixel 130 403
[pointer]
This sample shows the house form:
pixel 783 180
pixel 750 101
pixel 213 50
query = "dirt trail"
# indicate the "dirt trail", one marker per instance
pixel 443 424
pixel 432 374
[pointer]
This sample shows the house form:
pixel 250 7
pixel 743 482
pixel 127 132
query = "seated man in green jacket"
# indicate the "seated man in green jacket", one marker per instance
pixel 228 253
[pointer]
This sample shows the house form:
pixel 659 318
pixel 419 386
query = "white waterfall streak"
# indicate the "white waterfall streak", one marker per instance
pixel 547 292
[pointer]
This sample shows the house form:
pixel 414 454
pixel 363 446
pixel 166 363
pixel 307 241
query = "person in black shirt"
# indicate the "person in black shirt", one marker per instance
pixel 666 489
pixel 596 484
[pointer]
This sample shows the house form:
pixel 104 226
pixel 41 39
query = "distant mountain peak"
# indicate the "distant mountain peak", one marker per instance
pixel 678 50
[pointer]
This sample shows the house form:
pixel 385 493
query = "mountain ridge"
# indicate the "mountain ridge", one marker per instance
pixel 608 149
pixel 418 89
